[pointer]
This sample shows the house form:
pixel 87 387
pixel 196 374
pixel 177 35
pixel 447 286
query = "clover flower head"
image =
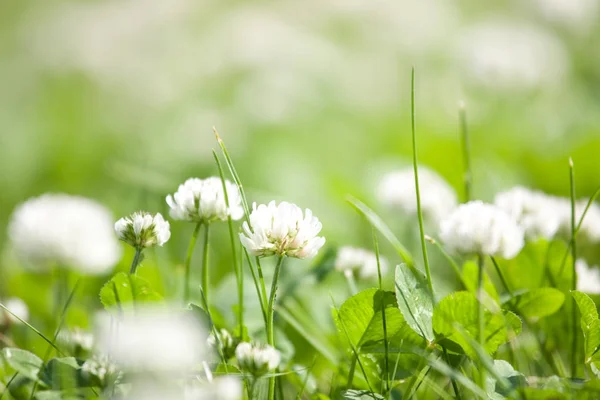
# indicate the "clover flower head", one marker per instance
pixel 352 260
pixel 17 307
pixel 588 278
pixel 59 230
pixel 257 359
pixel 480 228
pixel 397 190
pixel 101 368
pixel 203 200
pixel 225 343
pixel 535 211
pixel 76 340
pixel 282 229
pixel 141 230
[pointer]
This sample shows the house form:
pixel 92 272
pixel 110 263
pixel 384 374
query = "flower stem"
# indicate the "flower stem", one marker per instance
pixel 574 281
pixel 188 261
pixel 466 150
pixel 136 261
pixel 351 282
pixel 416 172
pixel 205 269
pixel 270 311
pixel 480 310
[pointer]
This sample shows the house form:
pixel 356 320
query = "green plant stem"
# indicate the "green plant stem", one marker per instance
pixel 502 278
pixel 136 261
pixel 466 150
pixel 480 311
pixel 416 173
pixel 351 282
pixel 205 266
pixel 574 281
pixel 188 262
pixel 270 315
pixel 452 380
pixel 383 316
pixel 259 294
pixel 6 387
pixel 261 279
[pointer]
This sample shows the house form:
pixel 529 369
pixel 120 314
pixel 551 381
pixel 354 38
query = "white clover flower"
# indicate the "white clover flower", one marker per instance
pixel 535 211
pixel 258 360
pixel 221 388
pixel 59 230
pixel 351 259
pixel 141 230
pixel 480 228
pixel 203 200
pixel 438 199
pixel 226 343
pixel 17 307
pixel 102 369
pixel 588 278
pixel 77 340
pixel 282 229
pixel 158 339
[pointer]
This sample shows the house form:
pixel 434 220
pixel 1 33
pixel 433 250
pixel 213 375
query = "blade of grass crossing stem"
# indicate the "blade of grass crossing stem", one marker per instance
pixel 382 227
pixel 383 317
pixel 37 332
pixel 466 150
pixel 354 350
pixel 237 268
pixel 213 329
pixel 188 262
pixel 261 298
pixel 8 385
pixel 418 382
pixel 416 173
pixel 449 258
pixel 574 258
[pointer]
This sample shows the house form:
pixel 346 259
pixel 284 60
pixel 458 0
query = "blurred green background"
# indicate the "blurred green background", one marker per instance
pixel 116 100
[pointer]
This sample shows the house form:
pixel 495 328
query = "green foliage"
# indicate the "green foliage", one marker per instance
pixel 590 325
pixel 415 300
pixel 361 395
pixel 458 312
pixel 25 363
pixel 537 303
pixel 125 291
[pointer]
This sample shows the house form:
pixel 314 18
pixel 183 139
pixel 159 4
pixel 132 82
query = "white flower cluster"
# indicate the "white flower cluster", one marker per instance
pixel 102 368
pixel 536 212
pixel 59 230
pixel 221 388
pixel 225 344
pixel 282 229
pixel 76 340
pixel 480 228
pixel 141 230
pixel 588 278
pixel 352 260
pixel 152 340
pixel 438 199
pixel 256 359
pixel 16 307
pixel 203 200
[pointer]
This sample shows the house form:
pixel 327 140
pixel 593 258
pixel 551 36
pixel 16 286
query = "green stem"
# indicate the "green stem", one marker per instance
pixel 466 150
pixel 261 279
pixel 480 311
pixel 188 261
pixel 452 380
pixel 351 282
pixel 416 173
pixel 257 286
pixel 205 267
pixel 136 261
pixel 574 281
pixel 270 314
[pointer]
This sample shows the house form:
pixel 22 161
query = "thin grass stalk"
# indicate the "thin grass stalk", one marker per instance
pixel 270 315
pixel 349 275
pixel 416 173
pixel 383 316
pixel 466 150
pixel 263 305
pixel 237 267
pixel 6 388
pixel 480 311
pixel 205 265
pixel 188 262
pixel 574 281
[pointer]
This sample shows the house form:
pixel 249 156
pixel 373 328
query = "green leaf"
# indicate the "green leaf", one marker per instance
pixel 25 363
pixel 514 378
pixel 526 270
pixel 470 277
pixel 590 325
pixel 361 395
pixel 415 300
pixel 538 303
pixel 125 290
pixel 461 308
pixel 63 373
pixel 587 307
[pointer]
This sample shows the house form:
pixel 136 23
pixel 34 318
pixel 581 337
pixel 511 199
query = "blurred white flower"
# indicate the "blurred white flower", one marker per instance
pixel 590 228
pixel 102 369
pixel 17 307
pixel 59 230
pixel 77 340
pixel 203 200
pixel 535 211
pixel 221 388
pixel 141 229
pixel 588 278
pixel 480 228
pixel 351 260
pixel 506 55
pixel 152 340
pixel 438 199
pixel 282 229
pixel 257 359
pixel 225 343
pixel 578 14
